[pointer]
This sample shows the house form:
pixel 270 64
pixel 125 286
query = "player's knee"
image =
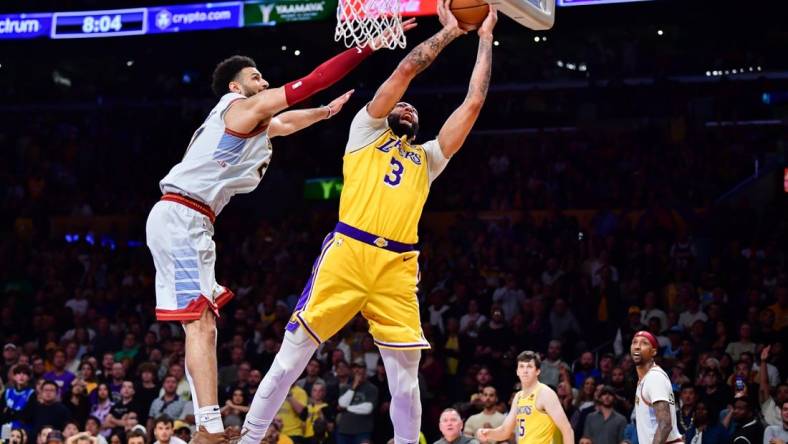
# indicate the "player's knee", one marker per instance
pixel 407 395
pixel 203 328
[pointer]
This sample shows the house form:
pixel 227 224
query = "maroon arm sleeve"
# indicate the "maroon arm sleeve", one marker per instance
pixel 325 75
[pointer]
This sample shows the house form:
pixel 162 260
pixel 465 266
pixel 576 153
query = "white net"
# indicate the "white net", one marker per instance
pixel 377 23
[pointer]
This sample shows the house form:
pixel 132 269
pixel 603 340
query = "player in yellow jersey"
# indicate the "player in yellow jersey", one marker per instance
pixel 536 415
pixel 369 263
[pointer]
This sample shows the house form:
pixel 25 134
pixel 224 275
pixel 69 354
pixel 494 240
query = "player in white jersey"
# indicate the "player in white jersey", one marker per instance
pixel 655 405
pixel 227 155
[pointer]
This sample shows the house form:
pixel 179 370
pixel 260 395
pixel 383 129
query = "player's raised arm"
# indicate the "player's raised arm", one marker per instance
pixel 249 113
pixel 552 406
pixel 504 431
pixel 290 122
pixel 453 133
pixel 417 60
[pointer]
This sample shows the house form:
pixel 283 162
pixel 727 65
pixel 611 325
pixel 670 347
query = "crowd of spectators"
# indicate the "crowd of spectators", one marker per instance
pixel 82 351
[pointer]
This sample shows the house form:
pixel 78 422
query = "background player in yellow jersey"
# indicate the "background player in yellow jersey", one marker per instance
pixel 536 415
pixel 369 264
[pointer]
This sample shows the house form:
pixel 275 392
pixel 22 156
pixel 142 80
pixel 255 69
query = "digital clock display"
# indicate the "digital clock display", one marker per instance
pixel 118 22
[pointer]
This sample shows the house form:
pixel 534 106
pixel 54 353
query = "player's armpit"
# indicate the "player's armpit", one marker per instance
pixel 664 421
pixel 246 115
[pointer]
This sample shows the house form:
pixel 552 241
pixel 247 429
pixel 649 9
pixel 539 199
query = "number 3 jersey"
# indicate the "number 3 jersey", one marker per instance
pixel 386 179
pixel 220 163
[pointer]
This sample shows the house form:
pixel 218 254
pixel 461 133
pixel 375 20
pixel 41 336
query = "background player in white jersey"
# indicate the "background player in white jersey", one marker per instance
pixel 655 405
pixel 227 155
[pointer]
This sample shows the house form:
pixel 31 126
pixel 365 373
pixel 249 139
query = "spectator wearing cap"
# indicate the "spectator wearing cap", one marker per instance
pixel 16 396
pixel 55 437
pixel 182 430
pixel 450 425
pixel 605 425
pixel 46 409
pixel 137 435
pixel 356 406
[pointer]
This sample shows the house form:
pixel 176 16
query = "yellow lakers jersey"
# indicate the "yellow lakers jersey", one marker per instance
pixel 531 425
pixel 386 184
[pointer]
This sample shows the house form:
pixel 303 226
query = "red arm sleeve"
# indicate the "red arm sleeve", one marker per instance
pixel 325 75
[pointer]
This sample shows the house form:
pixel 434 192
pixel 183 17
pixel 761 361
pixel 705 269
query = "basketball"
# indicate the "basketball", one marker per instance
pixel 470 13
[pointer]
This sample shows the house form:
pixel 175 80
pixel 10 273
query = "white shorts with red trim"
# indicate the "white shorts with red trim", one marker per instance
pixel 180 239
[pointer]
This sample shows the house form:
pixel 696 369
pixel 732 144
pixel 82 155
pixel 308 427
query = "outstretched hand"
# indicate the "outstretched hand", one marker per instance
pixel 447 19
pixel 486 29
pixel 336 105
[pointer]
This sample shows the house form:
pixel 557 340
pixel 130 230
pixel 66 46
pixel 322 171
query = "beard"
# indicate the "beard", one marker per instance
pixel 403 129
pixel 247 92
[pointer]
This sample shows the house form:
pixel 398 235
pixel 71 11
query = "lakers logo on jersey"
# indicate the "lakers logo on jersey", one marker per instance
pixel 395 143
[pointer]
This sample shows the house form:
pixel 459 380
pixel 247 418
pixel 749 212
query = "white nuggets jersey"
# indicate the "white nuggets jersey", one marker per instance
pixel 220 163
pixel 655 386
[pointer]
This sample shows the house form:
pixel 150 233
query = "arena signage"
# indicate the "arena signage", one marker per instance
pixel 270 13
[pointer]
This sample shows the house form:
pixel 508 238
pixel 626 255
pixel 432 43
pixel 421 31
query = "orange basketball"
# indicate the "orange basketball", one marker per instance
pixel 470 13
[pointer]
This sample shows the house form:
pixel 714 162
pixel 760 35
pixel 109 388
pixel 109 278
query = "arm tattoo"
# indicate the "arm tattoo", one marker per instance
pixel 664 422
pixel 422 55
pixel 480 79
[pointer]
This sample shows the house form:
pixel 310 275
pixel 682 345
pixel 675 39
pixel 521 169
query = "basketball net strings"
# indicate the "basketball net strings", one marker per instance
pixel 361 22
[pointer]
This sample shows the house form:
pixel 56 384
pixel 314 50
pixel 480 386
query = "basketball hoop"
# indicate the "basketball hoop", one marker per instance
pixel 377 23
